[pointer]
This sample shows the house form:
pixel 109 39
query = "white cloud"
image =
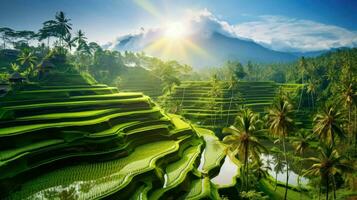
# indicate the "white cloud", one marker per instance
pixel 275 32
pixel 287 34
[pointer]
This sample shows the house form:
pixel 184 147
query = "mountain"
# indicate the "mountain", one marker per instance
pixel 208 50
pixel 205 41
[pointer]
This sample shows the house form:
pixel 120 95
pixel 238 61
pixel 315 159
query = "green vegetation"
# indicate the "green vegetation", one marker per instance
pixel 64 136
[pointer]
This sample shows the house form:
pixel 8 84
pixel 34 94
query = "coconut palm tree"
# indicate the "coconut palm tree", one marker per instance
pixel 280 123
pixel 28 60
pixel 311 89
pixel 326 166
pixel 241 139
pixel 279 164
pixel 232 86
pixel 69 42
pixel 349 99
pixel 328 125
pixel 301 143
pixel 260 169
pixel 214 93
pixel 169 83
pixel 81 42
pixel 60 26
pixel 15 67
pixel 302 67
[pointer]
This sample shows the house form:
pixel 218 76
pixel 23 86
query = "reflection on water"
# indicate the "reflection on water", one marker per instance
pixel 202 161
pixel 229 170
pixel 227 173
pixel 282 176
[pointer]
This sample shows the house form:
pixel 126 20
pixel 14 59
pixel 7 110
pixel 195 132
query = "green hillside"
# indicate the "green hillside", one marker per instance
pixel 195 101
pixel 89 141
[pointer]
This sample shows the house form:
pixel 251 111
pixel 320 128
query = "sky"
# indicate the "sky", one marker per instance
pixel 279 24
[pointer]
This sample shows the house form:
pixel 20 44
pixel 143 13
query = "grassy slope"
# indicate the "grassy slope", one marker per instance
pixel 266 187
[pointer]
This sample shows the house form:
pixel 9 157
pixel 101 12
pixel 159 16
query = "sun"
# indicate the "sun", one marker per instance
pixel 175 30
pixel 175 42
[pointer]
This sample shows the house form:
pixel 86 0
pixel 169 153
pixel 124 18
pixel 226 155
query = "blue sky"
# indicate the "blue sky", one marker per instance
pixel 104 20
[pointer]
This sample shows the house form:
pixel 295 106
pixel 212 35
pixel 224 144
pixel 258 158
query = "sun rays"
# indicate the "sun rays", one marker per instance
pixel 174 41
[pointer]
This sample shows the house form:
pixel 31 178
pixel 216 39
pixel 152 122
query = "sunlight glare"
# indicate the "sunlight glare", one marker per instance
pixel 175 30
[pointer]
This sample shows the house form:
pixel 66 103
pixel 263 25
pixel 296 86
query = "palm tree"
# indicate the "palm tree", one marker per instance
pixel 69 42
pixel 279 164
pixel 241 139
pixel 169 82
pixel 260 169
pixel 60 26
pixel 15 67
pixel 301 143
pixel 28 60
pixel 47 31
pixel 326 166
pixel 349 98
pixel 328 125
pixel 214 93
pixel 232 85
pixel 311 88
pixel 280 123
pixel 302 67
pixel 80 39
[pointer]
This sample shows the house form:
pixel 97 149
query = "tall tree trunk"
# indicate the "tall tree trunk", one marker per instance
pixel 299 179
pixel 229 108
pixel 246 163
pixel 276 180
pixel 334 187
pixel 354 127
pixel 327 187
pixel 302 90
pixel 350 124
pixel 320 191
pixel 287 169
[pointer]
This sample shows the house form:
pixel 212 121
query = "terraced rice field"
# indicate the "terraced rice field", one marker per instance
pixel 193 96
pixel 137 79
pixel 90 142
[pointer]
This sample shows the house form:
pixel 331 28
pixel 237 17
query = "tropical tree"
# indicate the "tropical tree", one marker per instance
pixel 6 34
pixel 328 125
pixel 81 42
pixel 326 166
pixel 27 36
pixel 15 67
pixel 349 99
pixel 280 123
pixel 301 143
pixel 69 42
pixel 302 68
pixel 232 86
pixel 260 169
pixel 311 89
pixel 250 70
pixel 60 27
pixel 279 164
pixel 46 32
pixel 214 94
pixel 169 82
pixel 242 141
pixel 28 60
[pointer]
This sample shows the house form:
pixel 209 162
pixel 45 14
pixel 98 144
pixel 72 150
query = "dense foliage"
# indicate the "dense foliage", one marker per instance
pixel 302 115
